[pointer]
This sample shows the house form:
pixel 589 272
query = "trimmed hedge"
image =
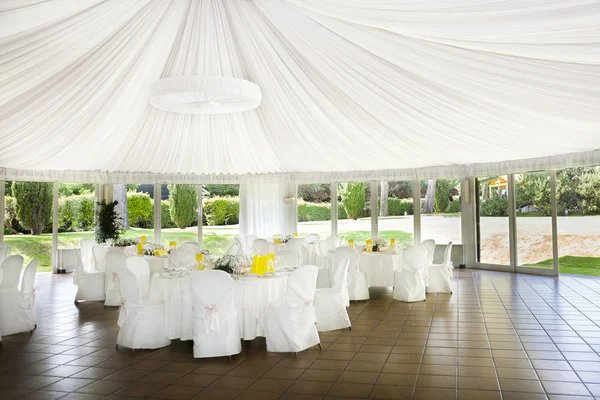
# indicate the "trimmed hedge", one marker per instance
pixel 221 210
pixel 165 215
pixel 400 206
pixel 141 210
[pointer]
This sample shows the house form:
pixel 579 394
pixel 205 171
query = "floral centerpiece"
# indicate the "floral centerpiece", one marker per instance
pixel 232 264
pixel 124 242
pixel 378 244
pixel 287 238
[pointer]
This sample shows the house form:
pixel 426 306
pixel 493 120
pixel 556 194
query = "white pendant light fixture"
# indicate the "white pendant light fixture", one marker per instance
pixel 204 95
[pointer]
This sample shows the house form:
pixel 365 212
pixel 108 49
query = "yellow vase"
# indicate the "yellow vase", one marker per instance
pixel 351 243
pixel 140 249
pixel 392 241
pixel 143 239
pixel 369 245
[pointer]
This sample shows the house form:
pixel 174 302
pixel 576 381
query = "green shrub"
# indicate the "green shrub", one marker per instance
pixel 11 223
pixel 76 213
pixel 442 195
pixel 183 202
pixel 221 210
pixel 165 215
pixel 313 211
pixel 66 216
pixel 140 208
pixel 494 207
pixel 341 212
pixel 222 190
pixel 33 204
pixel 399 206
pixel 353 198
pixel 454 206
pixel 109 223
pixel 85 216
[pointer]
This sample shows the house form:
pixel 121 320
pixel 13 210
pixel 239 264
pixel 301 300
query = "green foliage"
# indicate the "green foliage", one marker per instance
pixel 183 201
pixel 75 189
pixel 222 190
pixel 221 210
pixel 399 206
pixel 313 211
pixel 315 193
pixel 109 224
pixel 353 198
pixel 442 195
pixel 533 189
pixel 140 209
pixel 76 213
pixel 11 223
pixel 33 204
pixel 165 215
pixel 8 188
pixel 494 207
pixel 454 207
pixel 589 193
pixel 66 216
pixel 85 216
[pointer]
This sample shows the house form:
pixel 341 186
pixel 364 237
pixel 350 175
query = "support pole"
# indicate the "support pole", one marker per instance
pixel 200 199
pixel 55 228
pixel 554 222
pixel 2 207
pixel 334 208
pixel 157 212
pixel 374 207
pixel 417 211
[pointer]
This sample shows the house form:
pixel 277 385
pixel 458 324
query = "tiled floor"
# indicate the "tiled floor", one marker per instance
pixel 498 336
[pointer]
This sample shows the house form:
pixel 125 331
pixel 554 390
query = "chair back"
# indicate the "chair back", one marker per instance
pixel 11 269
pixel 312 238
pixel 341 262
pixel 286 258
pixel 140 268
pixel 86 246
pixel 131 292
pixel 250 243
pixel 235 249
pixel 342 253
pixel 298 246
pixel 326 245
pixel 29 277
pixel 99 255
pixel 260 247
pixel 211 287
pixel 414 258
pixel 3 252
pixel 191 246
pixel 448 255
pixel 301 286
pixel 429 245
pixel 116 260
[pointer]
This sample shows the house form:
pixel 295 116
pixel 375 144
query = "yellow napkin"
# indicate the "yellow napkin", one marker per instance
pixel 143 239
pixel 140 249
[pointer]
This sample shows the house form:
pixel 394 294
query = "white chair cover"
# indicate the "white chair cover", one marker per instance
pixel 250 244
pixel 216 330
pixel 191 246
pixel 139 266
pixel 325 246
pixel 331 303
pixel 87 260
pixel 408 282
pixel 312 238
pixel 116 260
pixel 3 252
pixel 286 258
pixel 430 246
pixel 90 285
pixel 141 321
pixel 17 313
pixel 260 247
pixel 358 288
pixel 11 268
pixel 236 248
pixel 291 326
pixel 99 256
pixel 441 274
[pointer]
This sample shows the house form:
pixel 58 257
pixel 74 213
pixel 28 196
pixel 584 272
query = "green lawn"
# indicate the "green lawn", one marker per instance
pixel 572 265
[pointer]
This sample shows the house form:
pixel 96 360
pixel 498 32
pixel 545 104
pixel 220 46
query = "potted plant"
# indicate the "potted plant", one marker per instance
pixel 108 227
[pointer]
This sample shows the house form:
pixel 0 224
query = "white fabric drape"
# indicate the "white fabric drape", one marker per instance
pixel 262 210
pixel 352 89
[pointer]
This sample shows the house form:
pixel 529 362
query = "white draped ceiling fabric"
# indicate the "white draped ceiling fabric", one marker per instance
pixel 351 89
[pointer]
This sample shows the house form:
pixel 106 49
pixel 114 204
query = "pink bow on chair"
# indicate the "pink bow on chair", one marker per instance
pixel 211 318
pixel 115 277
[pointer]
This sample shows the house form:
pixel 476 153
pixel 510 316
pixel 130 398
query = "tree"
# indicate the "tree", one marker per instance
pixel 442 195
pixel 8 188
pixel 120 196
pixel 589 193
pixel 429 197
pixel 140 209
pixel 533 189
pixel 33 204
pixel 109 226
pixel 183 203
pixel 353 198
pixel 222 190
pixel 315 193
pixel 383 208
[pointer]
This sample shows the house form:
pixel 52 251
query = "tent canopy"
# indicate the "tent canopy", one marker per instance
pixel 351 89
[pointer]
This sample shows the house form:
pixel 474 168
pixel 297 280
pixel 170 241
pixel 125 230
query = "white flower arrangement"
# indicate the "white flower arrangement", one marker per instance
pixel 379 242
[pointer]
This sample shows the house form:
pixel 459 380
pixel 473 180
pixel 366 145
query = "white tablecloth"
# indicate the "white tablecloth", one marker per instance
pixel 380 267
pixel 252 295
pixel 156 263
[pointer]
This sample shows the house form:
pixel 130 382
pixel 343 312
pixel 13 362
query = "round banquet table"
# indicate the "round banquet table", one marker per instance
pixel 380 267
pixel 156 263
pixel 252 297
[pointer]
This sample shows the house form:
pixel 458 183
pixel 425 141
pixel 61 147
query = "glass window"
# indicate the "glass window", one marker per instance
pixel 136 207
pixel 578 220
pixel 396 211
pixel 76 207
pixel 440 211
pixel 354 216
pixel 220 217
pixel 314 209
pixel 179 214
pixel 492 220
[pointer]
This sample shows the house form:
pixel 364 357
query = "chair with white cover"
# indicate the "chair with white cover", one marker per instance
pixel 236 248
pixel 250 244
pixel 286 258
pixel 409 285
pixel 139 266
pixel 11 269
pixel 358 288
pixel 141 321
pixel 3 252
pixel 326 248
pixel 430 246
pixel 17 313
pixel 99 256
pixel 312 238
pixel 216 330
pixel 441 274
pixel 298 246
pixel 86 246
pixel 331 303
pixel 115 261
pixel 291 325
pixel 90 285
pixel 260 247
pixel 191 246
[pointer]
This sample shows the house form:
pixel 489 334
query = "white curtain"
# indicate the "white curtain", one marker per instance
pixel 262 211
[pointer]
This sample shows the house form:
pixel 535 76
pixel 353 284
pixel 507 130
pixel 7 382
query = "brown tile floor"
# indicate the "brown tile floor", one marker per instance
pixel 498 336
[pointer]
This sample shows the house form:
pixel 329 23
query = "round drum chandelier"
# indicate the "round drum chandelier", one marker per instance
pixel 204 95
